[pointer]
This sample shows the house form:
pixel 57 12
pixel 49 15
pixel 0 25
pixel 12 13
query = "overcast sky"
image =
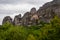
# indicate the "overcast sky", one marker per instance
pixel 15 7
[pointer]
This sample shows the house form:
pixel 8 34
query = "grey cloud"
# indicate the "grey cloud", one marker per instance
pixel 23 1
pixel 9 12
pixel 16 1
pixel 8 1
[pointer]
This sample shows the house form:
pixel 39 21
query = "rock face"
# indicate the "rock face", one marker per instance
pixel 29 16
pixel 44 13
pixel 7 19
pixel 17 20
pixel 33 10
pixel 49 10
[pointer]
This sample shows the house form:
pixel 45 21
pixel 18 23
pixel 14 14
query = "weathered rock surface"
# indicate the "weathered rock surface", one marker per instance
pixel 17 20
pixel 49 10
pixel 44 13
pixel 7 19
pixel 33 10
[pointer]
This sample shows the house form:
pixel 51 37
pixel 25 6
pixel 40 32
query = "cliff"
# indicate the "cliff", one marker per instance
pixel 44 13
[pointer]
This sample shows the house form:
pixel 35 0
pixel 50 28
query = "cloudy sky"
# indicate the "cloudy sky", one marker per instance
pixel 15 7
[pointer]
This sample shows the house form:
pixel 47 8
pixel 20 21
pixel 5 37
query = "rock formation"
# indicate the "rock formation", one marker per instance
pixel 7 19
pixel 49 10
pixel 17 20
pixel 44 13
pixel 33 10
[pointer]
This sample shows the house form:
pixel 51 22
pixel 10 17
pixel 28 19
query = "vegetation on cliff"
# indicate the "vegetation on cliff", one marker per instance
pixel 43 31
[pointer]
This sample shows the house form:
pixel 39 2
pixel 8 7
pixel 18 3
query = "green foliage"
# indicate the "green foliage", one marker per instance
pixel 43 31
pixel 31 37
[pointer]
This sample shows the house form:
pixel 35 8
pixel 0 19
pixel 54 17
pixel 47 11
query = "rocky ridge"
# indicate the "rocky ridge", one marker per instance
pixel 44 13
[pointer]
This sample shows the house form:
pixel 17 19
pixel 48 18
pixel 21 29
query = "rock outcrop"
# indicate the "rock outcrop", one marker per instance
pixel 7 19
pixel 17 20
pixel 33 10
pixel 49 10
pixel 44 13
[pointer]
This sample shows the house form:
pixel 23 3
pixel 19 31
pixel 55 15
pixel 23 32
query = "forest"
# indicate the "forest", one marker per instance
pixel 42 31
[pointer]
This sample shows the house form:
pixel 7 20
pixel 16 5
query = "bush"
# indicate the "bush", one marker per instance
pixel 47 31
